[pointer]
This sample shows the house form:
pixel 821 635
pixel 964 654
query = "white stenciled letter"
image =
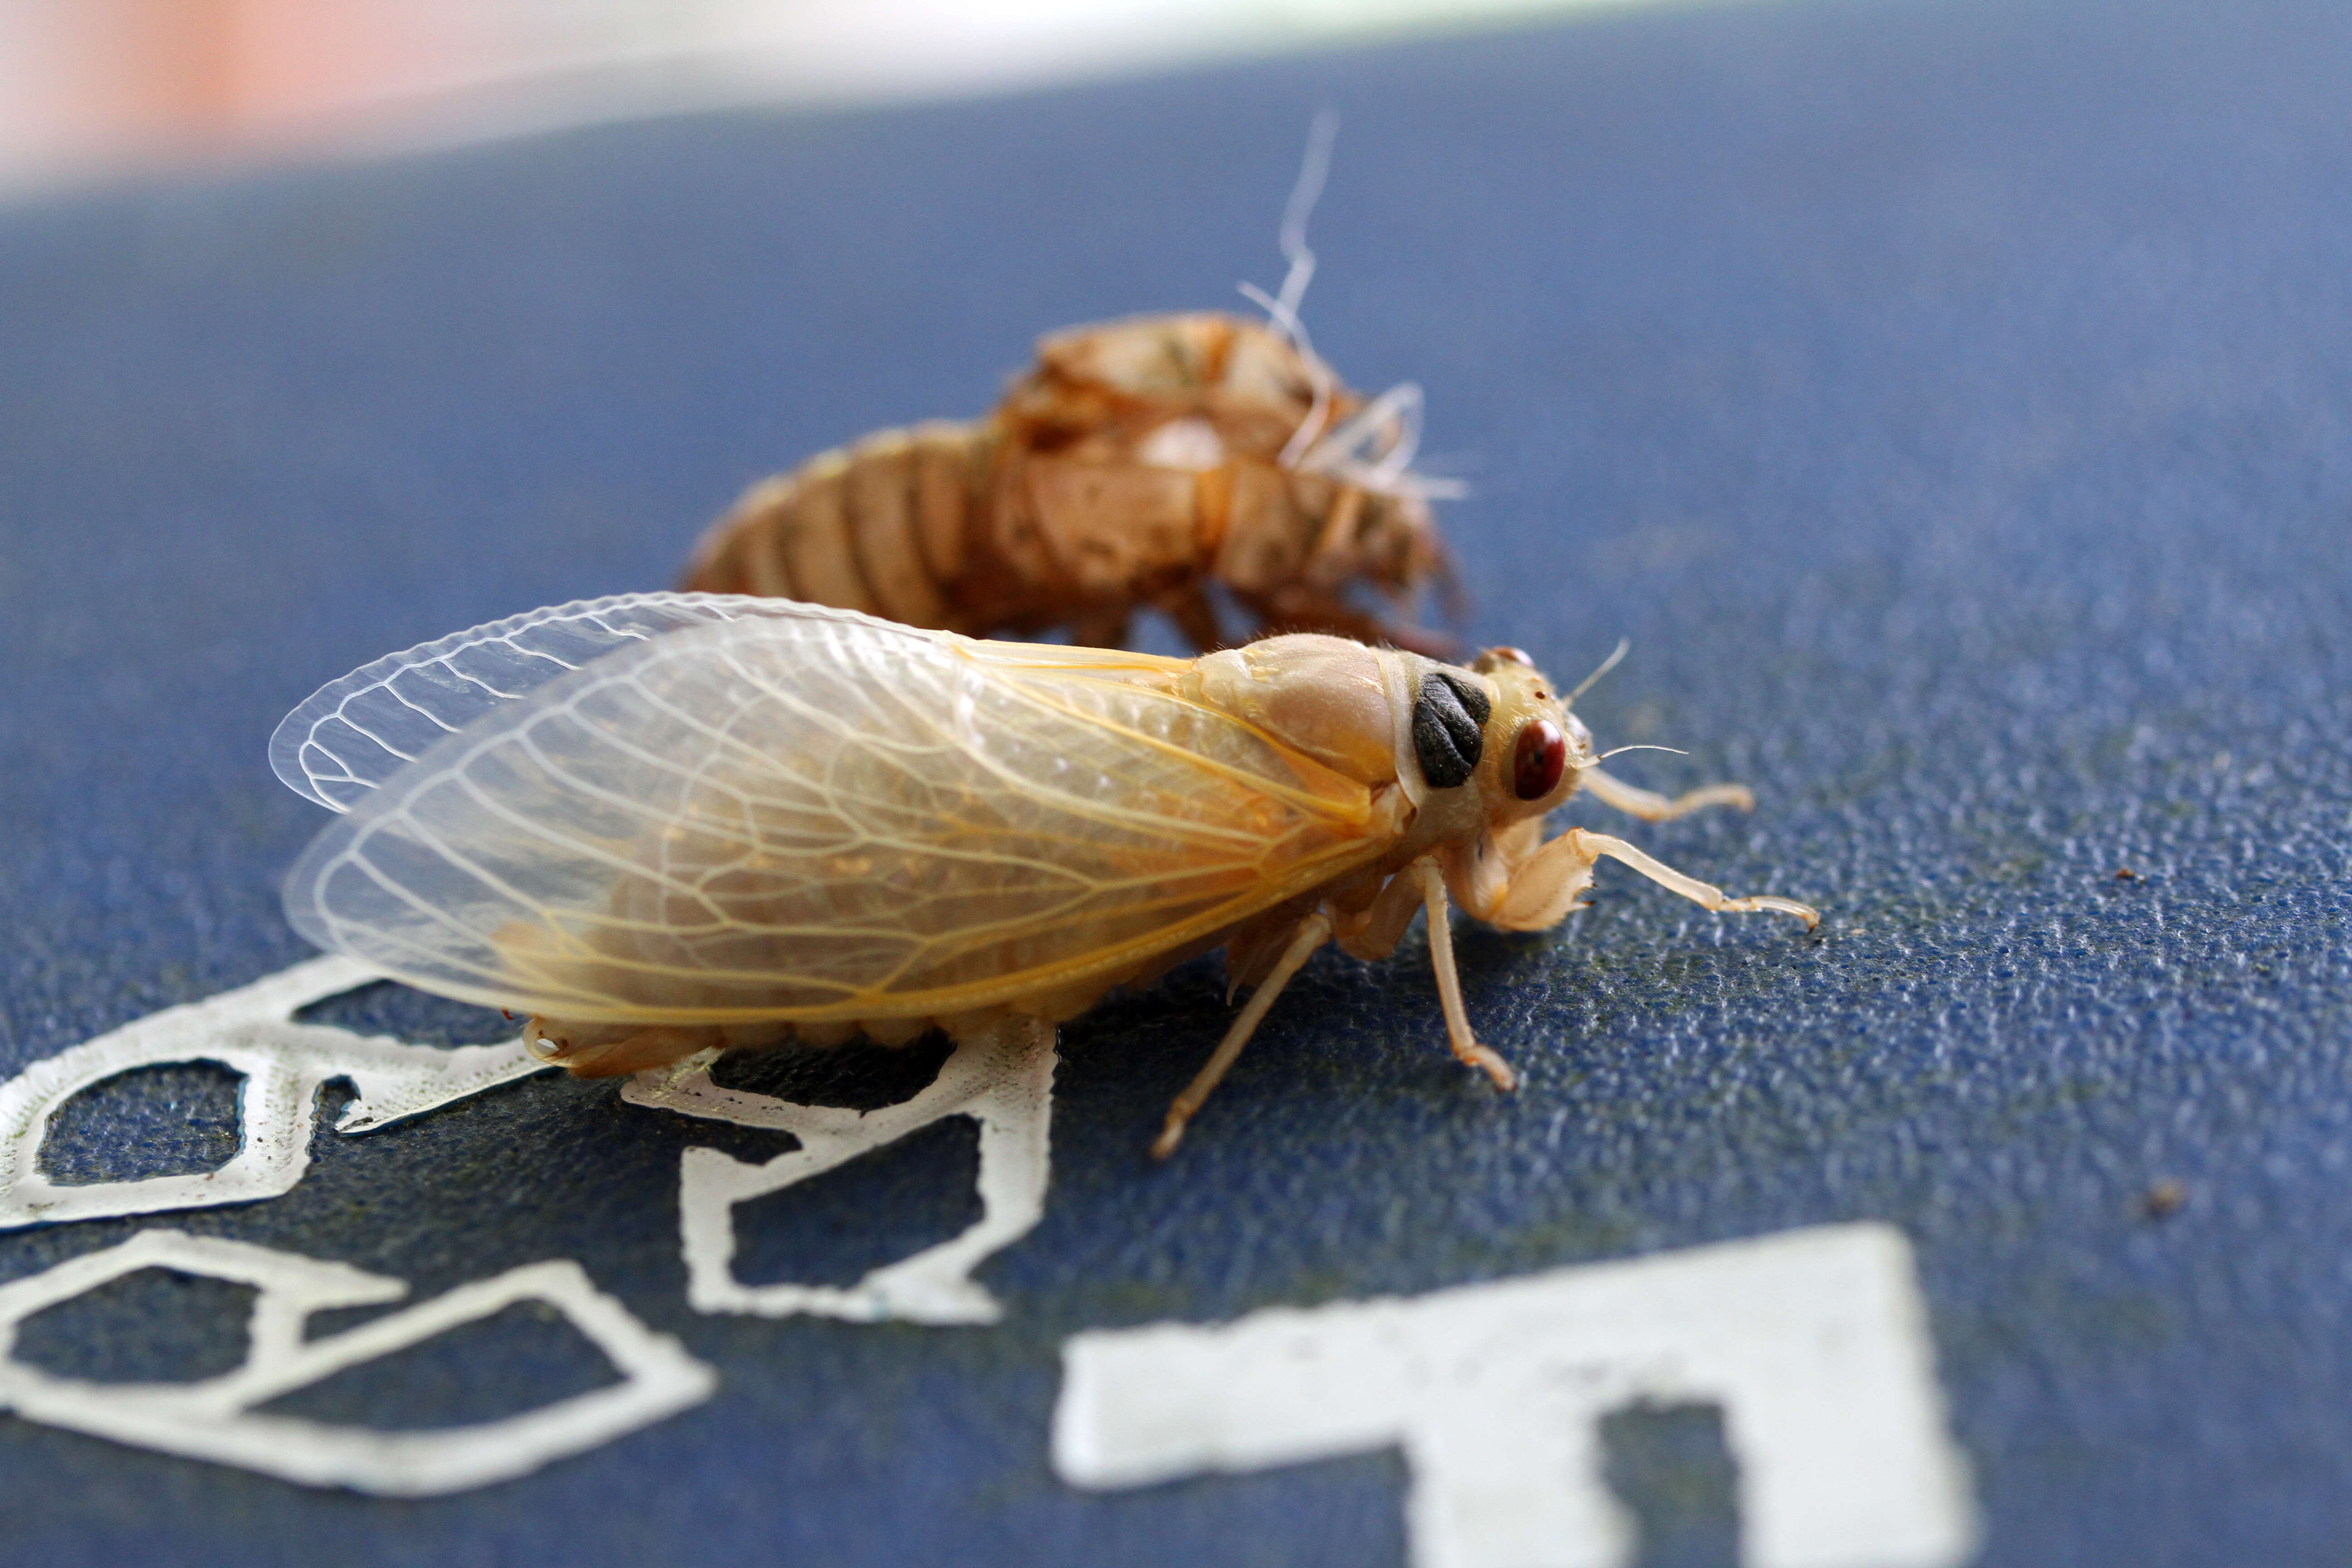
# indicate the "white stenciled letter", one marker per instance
pixel 218 1418
pixel 251 1031
pixel 1812 1342
pixel 1000 1076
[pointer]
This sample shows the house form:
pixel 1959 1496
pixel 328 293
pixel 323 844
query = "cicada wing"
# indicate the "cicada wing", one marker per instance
pixel 352 734
pixel 820 816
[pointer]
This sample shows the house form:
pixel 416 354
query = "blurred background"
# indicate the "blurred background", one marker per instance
pixel 98 88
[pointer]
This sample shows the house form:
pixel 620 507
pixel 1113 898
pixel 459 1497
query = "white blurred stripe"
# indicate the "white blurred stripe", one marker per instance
pixel 90 87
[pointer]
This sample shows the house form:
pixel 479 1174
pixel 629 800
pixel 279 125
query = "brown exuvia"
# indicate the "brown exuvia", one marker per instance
pixel 1135 463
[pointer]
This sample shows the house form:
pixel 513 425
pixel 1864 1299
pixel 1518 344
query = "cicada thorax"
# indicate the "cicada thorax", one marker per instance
pixel 1134 463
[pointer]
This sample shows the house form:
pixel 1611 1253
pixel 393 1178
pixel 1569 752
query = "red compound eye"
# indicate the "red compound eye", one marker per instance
pixel 1494 656
pixel 1538 759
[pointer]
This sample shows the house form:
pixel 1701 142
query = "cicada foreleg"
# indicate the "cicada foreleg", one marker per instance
pixel 1375 932
pixel 1651 807
pixel 1544 887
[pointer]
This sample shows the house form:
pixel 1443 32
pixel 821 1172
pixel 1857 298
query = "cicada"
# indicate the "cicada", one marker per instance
pixel 661 823
pixel 1136 462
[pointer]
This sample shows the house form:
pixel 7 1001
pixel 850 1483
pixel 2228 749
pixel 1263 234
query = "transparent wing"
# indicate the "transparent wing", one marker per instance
pixel 355 734
pixel 819 816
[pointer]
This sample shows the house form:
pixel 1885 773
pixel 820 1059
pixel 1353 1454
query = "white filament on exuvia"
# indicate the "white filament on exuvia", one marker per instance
pixel 1319 375
pixel 1314 168
pixel 1395 416
pixel 1396 413
pixel 216 1418
pixel 1283 310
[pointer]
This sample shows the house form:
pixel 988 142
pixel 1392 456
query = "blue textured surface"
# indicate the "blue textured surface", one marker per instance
pixel 1950 401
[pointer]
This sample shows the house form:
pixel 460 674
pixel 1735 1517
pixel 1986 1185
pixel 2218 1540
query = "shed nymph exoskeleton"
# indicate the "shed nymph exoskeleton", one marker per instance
pixel 662 824
pixel 1136 464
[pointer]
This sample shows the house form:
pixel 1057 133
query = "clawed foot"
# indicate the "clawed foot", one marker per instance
pixel 1492 1064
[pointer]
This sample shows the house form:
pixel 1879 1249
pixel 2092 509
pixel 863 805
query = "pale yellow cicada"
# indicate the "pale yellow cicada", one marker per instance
pixel 663 823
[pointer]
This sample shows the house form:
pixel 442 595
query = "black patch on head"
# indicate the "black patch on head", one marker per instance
pixel 1448 728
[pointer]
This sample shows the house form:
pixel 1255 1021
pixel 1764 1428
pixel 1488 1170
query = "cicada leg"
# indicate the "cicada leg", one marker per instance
pixel 1651 807
pixel 1547 886
pixel 1449 984
pixel 1313 932
pixel 1375 933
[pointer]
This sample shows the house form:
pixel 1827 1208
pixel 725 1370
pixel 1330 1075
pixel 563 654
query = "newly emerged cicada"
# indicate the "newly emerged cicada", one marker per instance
pixel 1135 463
pixel 660 824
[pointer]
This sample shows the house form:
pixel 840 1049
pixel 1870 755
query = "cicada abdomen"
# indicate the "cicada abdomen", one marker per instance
pixel 1134 464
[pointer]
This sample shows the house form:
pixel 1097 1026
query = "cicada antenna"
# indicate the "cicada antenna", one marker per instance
pixel 1282 310
pixel 1615 750
pixel 1624 645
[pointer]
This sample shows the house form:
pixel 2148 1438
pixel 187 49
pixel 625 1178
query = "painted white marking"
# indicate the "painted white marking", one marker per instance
pixel 251 1031
pixel 1813 1342
pixel 1002 1078
pixel 213 1419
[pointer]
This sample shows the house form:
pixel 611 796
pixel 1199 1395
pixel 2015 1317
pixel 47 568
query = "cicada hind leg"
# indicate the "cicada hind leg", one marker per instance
pixel 1371 932
pixel 1311 933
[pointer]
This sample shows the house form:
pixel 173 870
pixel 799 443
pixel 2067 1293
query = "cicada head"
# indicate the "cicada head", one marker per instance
pixel 1535 747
